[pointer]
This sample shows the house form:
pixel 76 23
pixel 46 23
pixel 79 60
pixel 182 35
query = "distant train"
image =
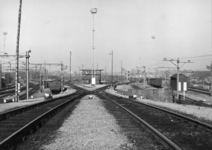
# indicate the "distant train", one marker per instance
pixel 54 85
pixel 156 82
pixel 3 83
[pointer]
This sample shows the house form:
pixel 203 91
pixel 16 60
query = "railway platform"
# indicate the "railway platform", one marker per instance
pixel 21 103
pixel 90 87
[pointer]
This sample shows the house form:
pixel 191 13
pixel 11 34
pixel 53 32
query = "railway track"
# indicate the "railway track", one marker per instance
pixel 7 88
pixel 10 93
pixel 189 101
pixel 17 124
pixel 172 130
pixel 199 91
pixel 34 89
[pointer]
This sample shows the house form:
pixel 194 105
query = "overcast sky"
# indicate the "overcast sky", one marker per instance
pixel 53 28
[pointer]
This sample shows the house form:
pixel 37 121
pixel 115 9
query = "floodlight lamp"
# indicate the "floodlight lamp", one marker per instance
pixel 29 51
pixel 5 33
pixel 93 10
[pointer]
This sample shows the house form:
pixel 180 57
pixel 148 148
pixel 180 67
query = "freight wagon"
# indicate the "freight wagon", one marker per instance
pixel 3 84
pixel 156 82
pixel 54 85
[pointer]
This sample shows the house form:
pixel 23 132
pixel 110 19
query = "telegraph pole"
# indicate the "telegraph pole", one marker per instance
pixel 61 75
pixel 70 66
pixel 105 72
pixel 178 69
pixel 4 33
pixel 111 66
pixel 121 70
pixel 0 75
pixel 144 75
pixel 27 74
pixel 17 84
pixel 210 68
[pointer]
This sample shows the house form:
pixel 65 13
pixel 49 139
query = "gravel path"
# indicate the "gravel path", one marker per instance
pixel 89 127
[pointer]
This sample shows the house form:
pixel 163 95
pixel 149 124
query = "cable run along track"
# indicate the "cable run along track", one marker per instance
pixel 172 130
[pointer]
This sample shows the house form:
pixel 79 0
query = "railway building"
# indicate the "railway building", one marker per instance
pixel 87 74
pixel 183 82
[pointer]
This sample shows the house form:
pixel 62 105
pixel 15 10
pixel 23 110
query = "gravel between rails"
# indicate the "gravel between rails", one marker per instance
pixel 89 127
pixel 86 126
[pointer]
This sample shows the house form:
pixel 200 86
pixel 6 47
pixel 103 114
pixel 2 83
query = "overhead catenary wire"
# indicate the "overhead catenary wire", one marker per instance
pixel 206 55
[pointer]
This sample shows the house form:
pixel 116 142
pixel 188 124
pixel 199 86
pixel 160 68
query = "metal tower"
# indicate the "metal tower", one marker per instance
pixel 93 11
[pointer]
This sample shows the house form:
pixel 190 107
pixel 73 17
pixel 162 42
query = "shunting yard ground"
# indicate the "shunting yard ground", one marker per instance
pixel 89 126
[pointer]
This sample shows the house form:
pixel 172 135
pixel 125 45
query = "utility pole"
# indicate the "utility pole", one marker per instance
pixel 178 69
pixel 210 68
pixel 105 73
pixel 43 70
pixel 0 75
pixel 41 77
pixel 17 84
pixel 70 66
pixel 4 33
pixel 111 67
pixel 144 76
pixel 27 74
pixel 121 70
pixel 61 75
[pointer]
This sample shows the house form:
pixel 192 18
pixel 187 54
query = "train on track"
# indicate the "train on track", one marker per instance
pixel 53 85
pixel 3 83
pixel 155 82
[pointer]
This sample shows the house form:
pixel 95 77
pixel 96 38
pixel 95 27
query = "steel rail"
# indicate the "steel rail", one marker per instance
pixel 199 90
pixel 20 135
pixel 206 126
pixel 6 88
pixel 195 122
pixel 168 144
pixel 22 96
pixel 13 112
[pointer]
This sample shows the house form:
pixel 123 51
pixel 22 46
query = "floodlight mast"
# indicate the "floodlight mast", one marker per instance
pixel 93 11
